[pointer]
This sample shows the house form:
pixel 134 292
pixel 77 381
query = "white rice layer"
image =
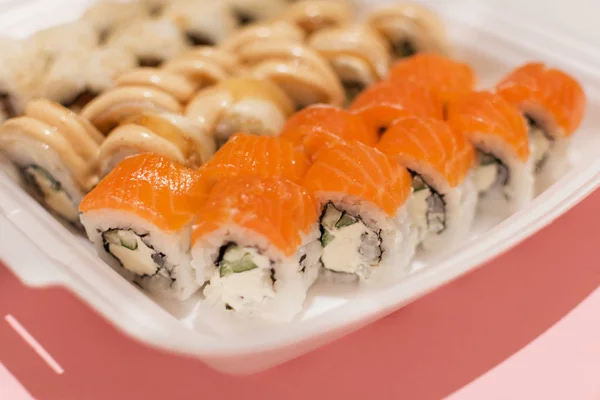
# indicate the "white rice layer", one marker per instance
pixel 275 291
pixel 175 280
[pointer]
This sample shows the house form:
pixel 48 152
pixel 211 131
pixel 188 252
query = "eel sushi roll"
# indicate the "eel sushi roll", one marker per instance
pixel 448 79
pixel 440 160
pixel 256 32
pixel 298 70
pixel 257 245
pixel 139 218
pixel 383 103
pixel 151 41
pixel 245 104
pixel 106 16
pixel 262 156
pixel 204 22
pixel 22 65
pixel 357 54
pixel 504 169
pixel 66 38
pixel 314 15
pixel 173 136
pixel 366 230
pixel 554 104
pixel 75 78
pixel 409 29
pixel 252 11
pixel 55 152
pixel 318 125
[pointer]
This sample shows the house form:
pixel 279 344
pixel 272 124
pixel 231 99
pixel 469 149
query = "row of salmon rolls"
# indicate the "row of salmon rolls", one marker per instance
pixel 338 195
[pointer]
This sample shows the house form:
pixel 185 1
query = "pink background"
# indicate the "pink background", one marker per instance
pixel 483 329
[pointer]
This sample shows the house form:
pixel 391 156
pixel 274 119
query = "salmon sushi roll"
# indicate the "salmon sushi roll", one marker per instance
pixel 55 152
pixel 263 156
pixel 447 78
pixel 554 104
pixel 320 124
pixel 257 244
pixel 365 227
pixel 440 160
pixel 383 103
pixel 139 218
pixel 504 171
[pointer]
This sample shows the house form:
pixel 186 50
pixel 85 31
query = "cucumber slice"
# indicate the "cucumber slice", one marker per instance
pixel 125 239
pixel 345 220
pixel 326 238
pixel 232 263
pixel 331 215
pixel 128 240
pixel 486 159
pixel 418 184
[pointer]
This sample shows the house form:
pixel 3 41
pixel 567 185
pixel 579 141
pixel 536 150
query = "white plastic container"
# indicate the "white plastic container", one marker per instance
pixel 42 252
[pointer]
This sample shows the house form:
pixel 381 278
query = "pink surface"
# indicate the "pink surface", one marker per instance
pixel 427 350
pixel 564 363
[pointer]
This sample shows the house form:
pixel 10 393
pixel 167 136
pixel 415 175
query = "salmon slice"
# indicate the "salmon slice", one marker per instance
pixel 317 125
pixel 360 171
pixel 429 147
pixel 152 187
pixel 275 208
pixel 263 156
pixel 488 114
pixel 383 103
pixel 447 78
pixel 536 85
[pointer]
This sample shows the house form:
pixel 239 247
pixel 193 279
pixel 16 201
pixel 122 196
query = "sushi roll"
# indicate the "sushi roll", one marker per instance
pixel 366 230
pixel 504 167
pixel 252 11
pixel 357 54
pixel 55 152
pixel 226 60
pixel 554 104
pixel 314 15
pixel 75 78
pixel 139 219
pixel 109 109
pixel 204 22
pixel 106 16
pixel 410 28
pixel 316 126
pixel 262 156
pixel 22 65
pixel 66 38
pixel 253 106
pixel 151 41
pixel 440 160
pixel 170 135
pixel 260 31
pixel 256 244
pixel 383 103
pixel 299 71
pixel 448 79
